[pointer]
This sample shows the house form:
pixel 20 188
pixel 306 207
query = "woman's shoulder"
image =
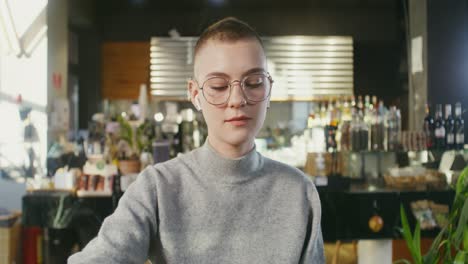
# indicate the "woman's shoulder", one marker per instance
pixel 292 177
pixel 172 167
pixel 285 171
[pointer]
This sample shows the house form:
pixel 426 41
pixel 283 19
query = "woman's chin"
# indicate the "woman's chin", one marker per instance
pixel 237 139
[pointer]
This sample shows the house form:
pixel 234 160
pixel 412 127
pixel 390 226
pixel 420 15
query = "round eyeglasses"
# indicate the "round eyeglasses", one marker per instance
pixel 255 87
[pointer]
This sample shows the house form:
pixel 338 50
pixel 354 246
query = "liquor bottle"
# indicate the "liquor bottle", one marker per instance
pixel 315 134
pixel 331 129
pixel 375 102
pixel 359 132
pixel 354 131
pixel 339 110
pixel 439 129
pixel 398 129
pixel 363 133
pixel 368 112
pixel 344 132
pixel 353 102
pixel 383 115
pixel 367 109
pixel 449 128
pixel 459 127
pixel 338 118
pixel 382 109
pixel 393 129
pixel 323 114
pixel 377 130
pixel 329 112
pixel 346 112
pixel 428 128
pixel 345 135
pixel 360 104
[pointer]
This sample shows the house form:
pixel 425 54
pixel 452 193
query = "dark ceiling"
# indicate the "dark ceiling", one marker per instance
pixel 140 19
pixel 113 7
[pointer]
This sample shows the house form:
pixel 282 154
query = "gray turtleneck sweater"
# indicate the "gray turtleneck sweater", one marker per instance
pixel 203 208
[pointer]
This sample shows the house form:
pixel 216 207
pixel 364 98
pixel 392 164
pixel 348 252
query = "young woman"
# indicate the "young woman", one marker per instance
pixel 223 202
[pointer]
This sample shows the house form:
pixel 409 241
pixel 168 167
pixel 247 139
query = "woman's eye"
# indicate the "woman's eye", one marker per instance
pixel 254 81
pixel 253 85
pixel 219 87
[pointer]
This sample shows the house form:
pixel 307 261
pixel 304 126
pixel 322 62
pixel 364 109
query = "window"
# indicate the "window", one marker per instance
pixel 23 73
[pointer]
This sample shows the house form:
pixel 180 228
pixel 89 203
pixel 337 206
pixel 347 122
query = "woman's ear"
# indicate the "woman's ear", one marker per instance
pixel 269 97
pixel 197 103
pixel 193 93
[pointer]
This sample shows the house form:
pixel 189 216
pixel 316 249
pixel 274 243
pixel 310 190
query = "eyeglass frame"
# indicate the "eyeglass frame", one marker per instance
pixel 241 84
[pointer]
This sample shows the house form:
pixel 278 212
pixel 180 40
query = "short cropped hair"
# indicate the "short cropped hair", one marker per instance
pixel 229 29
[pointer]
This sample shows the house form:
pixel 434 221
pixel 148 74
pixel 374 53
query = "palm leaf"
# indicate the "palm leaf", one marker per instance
pixel 460 258
pixel 417 242
pixel 406 232
pixel 432 255
pixel 465 239
pixel 462 224
pixel 461 185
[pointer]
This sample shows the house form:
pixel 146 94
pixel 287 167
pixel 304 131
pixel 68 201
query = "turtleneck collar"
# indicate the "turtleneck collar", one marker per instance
pixel 214 167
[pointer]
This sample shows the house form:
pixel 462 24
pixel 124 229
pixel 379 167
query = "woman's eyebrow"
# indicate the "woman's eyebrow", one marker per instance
pixel 254 70
pixel 222 74
pixel 212 74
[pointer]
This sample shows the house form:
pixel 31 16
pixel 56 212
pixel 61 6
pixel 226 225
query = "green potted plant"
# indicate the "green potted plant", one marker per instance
pixel 452 238
pixel 128 154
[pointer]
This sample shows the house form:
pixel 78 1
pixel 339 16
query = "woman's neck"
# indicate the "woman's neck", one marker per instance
pixel 230 151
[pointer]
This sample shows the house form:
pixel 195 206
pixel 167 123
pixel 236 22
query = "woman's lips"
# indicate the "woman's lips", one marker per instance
pixel 238 121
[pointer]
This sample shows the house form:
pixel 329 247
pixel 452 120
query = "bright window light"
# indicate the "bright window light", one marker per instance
pixel 24 12
pixel 25 76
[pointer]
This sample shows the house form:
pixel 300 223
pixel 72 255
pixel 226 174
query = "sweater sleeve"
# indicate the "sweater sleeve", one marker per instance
pixel 313 251
pixel 125 235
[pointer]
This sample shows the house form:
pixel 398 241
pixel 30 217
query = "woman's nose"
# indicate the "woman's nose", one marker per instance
pixel 237 97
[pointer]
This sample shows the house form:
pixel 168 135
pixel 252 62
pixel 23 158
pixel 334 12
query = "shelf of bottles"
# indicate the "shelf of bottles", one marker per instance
pixel 353 130
pixel 366 124
pixel 444 132
pixel 353 124
pixel 355 137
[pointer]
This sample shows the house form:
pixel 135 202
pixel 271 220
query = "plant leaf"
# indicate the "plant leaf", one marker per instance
pixel 407 235
pixel 461 182
pixel 126 132
pixel 460 258
pixel 465 239
pixel 402 261
pixel 462 224
pixel 417 242
pixel 433 254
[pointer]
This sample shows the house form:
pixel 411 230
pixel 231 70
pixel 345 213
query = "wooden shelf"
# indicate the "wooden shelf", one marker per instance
pixel 125 65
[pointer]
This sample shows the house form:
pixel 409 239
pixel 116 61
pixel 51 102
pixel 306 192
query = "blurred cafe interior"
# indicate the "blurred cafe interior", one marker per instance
pixel 369 101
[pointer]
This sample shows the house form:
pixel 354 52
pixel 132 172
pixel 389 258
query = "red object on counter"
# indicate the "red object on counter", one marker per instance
pixel 32 245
